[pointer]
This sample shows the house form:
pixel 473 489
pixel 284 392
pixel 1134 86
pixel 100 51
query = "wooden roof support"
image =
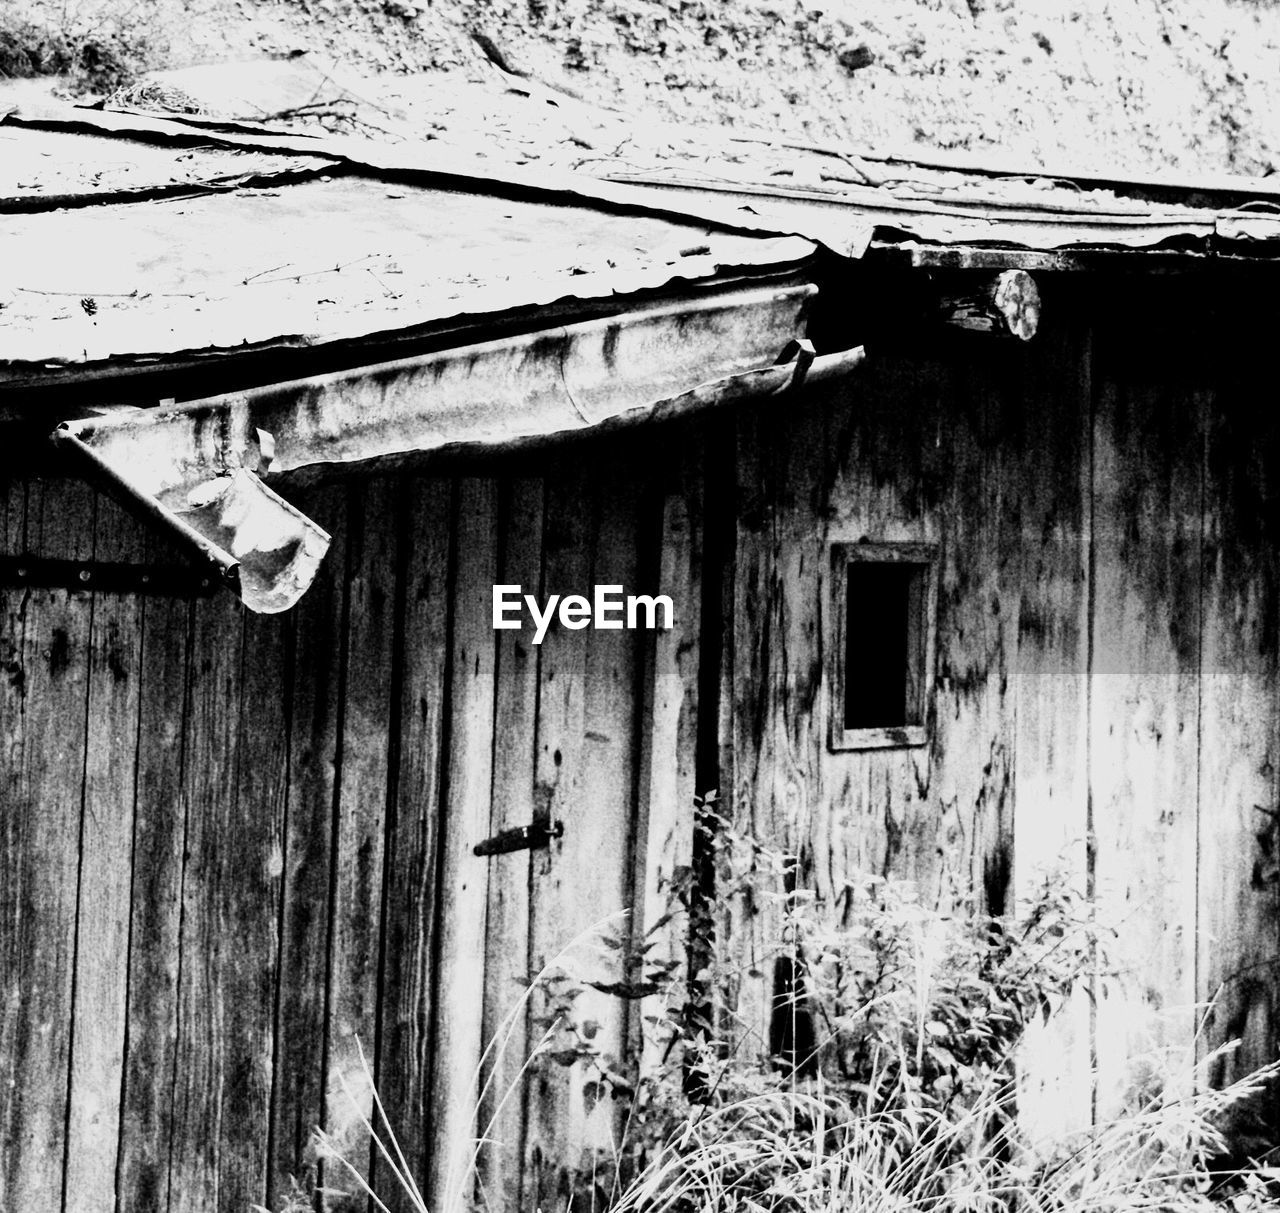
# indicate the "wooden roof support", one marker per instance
pixel 1007 303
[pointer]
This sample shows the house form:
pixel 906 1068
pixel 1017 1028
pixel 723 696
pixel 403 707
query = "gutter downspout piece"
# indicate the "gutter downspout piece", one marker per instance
pixel 256 542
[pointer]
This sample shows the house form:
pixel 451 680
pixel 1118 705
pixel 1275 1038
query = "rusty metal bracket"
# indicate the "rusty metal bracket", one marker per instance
pixel 44 573
pixel 534 836
pixel 800 354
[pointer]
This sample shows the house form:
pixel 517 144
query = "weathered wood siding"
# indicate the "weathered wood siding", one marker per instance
pixel 1106 692
pixel 234 847
pixel 238 849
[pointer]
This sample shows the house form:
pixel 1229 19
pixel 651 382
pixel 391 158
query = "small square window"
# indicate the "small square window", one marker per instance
pixel 883 604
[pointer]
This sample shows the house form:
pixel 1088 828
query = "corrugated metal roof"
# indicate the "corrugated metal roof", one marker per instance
pixel 134 240
pixel 323 261
pixel 941 197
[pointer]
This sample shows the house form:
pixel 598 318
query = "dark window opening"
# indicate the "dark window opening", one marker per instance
pixel 882 658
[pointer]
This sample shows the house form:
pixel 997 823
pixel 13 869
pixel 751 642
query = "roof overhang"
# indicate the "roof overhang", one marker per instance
pixel 627 311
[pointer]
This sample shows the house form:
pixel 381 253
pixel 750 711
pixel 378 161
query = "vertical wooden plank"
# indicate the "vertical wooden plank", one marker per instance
pixel 234 785
pixel 1239 814
pixel 1144 693
pixel 594 872
pixel 669 731
pixel 355 941
pixel 259 831
pixel 298 1087
pixel 514 805
pixel 796 778
pixel 409 924
pixel 156 912
pixel 559 789
pixel 208 952
pixel 746 941
pixel 13 495
pixel 1050 525
pixel 970 858
pixel 779 694
pixel 43 723
pixel 891 450
pixel 463 891
pixel 106 848
pixel 747 692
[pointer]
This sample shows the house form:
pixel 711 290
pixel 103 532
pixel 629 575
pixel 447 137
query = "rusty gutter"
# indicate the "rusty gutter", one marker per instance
pixel 121 488
pixel 541 384
pixel 196 469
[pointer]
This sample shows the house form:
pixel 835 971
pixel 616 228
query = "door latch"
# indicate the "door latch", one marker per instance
pixel 521 838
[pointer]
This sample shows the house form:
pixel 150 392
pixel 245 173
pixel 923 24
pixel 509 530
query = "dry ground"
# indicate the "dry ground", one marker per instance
pixel 1192 85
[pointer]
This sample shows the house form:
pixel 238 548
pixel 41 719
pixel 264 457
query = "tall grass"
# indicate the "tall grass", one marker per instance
pixel 368 1113
pixel 809 1150
pixel 906 1103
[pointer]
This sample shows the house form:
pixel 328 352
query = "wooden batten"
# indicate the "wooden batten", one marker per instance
pixel 106 845
pixel 302 985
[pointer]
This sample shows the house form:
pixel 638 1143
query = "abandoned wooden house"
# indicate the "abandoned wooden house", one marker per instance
pixel 961 484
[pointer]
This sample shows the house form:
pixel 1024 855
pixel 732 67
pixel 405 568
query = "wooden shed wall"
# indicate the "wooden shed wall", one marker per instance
pixel 235 845
pixel 1105 701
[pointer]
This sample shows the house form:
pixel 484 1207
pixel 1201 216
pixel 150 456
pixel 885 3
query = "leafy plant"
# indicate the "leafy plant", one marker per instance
pixel 893 1087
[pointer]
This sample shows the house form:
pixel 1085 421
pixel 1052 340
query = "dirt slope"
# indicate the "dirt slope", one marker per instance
pixel 1137 84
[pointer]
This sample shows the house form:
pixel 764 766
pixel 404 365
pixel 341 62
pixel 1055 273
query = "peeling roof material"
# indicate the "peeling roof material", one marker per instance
pixel 139 236
pixel 40 168
pixel 325 260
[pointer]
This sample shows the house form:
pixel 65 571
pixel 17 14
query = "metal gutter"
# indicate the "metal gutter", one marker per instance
pixel 195 468
pixel 247 535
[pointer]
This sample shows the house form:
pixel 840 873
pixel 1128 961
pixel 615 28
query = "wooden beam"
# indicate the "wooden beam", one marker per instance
pixel 971 257
pixel 1007 303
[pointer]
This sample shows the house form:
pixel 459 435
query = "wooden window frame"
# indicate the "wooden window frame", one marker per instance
pixel 914 732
